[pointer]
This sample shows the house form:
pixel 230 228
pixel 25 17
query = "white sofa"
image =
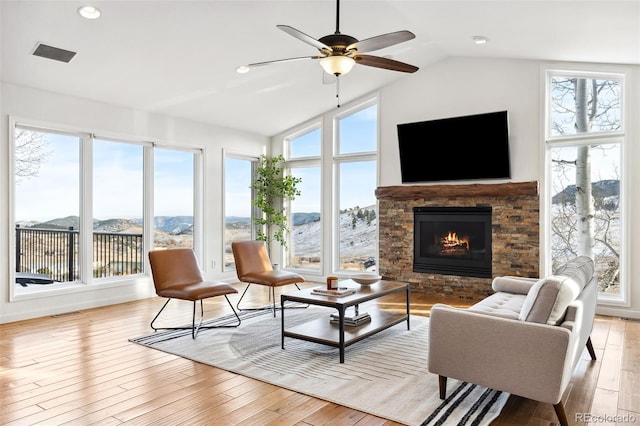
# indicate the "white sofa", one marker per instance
pixel 525 339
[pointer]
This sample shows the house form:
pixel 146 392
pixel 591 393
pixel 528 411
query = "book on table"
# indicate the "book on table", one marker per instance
pixel 355 317
pixel 352 320
pixel 341 291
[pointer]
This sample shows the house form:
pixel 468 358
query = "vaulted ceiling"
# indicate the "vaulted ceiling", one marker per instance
pixel 179 58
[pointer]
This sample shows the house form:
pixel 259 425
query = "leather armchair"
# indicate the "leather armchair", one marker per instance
pixel 253 266
pixel 176 275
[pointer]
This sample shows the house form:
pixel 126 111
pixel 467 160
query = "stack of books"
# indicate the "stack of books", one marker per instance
pixel 352 321
pixel 342 291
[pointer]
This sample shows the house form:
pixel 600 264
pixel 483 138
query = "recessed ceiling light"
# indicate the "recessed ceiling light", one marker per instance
pixel 480 39
pixel 89 12
pixel 242 69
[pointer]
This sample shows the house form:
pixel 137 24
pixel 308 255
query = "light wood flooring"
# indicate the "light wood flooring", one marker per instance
pixel 80 369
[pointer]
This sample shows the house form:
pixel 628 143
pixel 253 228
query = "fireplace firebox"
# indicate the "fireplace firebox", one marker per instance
pixel 452 241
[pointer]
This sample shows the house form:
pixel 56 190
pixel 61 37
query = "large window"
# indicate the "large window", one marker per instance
pixel 334 220
pixel 305 239
pixel 118 208
pixel 173 198
pixel 80 210
pixel 238 204
pixel 585 141
pixel 356 159
pixel 46 206
pixel 304 153
pixel 358 217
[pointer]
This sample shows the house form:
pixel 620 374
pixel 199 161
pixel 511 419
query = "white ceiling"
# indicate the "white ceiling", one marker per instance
pixel 179 57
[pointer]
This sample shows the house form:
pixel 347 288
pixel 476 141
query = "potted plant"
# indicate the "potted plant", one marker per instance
pixel 273 188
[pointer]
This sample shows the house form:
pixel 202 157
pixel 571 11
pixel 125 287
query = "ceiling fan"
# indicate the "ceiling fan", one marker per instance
pixel 340 52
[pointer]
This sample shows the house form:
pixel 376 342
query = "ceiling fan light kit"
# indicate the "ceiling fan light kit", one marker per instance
pixel 337 65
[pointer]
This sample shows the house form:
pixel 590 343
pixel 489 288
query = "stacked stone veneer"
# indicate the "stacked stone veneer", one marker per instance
pixel 515 236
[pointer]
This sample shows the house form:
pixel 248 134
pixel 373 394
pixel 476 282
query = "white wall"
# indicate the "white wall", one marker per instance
pixel 89 116
pixel 456 87
pixel 461 86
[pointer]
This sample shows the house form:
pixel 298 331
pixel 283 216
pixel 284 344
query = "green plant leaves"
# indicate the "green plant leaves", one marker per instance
pixel 272 188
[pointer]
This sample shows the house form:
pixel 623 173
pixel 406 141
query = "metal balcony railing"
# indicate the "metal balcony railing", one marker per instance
pixel 54 253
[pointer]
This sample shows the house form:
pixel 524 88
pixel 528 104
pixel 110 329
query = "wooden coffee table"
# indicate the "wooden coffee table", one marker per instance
pixel 339 335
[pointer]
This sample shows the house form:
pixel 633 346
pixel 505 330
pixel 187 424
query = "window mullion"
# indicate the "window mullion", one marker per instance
pixel 148 210
pixel 85 244
pixel 198 207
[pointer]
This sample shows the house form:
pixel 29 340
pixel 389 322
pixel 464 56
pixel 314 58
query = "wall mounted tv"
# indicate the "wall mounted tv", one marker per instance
pixel 471 147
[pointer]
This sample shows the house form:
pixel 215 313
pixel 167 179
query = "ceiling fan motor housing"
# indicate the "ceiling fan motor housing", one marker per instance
pixel 339 43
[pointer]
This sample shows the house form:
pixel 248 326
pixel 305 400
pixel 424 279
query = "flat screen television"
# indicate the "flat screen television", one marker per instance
pixel 471 147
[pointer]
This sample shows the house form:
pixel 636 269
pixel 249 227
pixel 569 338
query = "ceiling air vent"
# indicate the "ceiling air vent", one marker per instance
pixel 54 53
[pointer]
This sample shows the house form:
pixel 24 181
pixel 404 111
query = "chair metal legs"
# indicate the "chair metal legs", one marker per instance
pixel 194 329
pixel 272 297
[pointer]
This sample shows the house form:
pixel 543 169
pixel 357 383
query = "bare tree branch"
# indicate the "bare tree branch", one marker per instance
pixel 31 150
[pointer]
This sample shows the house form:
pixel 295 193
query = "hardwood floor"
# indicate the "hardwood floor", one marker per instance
pixel 80 369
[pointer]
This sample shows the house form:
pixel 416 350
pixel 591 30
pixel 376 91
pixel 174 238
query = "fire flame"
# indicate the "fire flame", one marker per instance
pixel 452 244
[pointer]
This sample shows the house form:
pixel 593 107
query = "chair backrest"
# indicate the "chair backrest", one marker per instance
pixel 174 267
pixel 251 256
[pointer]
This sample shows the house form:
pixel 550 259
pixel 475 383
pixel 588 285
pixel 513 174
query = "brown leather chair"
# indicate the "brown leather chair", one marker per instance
pixel 176 275
pixel 253 266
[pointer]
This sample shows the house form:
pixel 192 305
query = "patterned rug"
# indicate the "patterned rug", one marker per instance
pixel 384 375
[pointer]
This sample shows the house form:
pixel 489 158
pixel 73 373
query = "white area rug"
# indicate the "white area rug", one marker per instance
pixel 384 375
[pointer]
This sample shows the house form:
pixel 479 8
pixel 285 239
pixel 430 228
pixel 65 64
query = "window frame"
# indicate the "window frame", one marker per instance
pixel 303 162
pixel 86 280
pixel 329 163
pixel 254 160
pixel 49 129
pixel 198 189
pixel 620 138
pixel 351 157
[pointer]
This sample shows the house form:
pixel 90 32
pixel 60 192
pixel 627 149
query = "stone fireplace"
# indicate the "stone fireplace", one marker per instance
pixel 512 225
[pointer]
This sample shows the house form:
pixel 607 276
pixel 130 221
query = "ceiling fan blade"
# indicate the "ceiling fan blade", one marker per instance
pixel 385 63
pixel 259 64
pixel 305 38
pixel 382 41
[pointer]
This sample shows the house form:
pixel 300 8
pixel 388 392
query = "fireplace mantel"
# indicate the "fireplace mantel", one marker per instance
pixel 415 192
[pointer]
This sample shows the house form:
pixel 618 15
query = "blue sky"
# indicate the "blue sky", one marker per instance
pixel 357 133
pixel 54 191
pixel 118 177
pixel 117 181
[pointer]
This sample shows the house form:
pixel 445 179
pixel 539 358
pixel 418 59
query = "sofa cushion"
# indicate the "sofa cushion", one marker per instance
pixel 502 304
pixel 548 299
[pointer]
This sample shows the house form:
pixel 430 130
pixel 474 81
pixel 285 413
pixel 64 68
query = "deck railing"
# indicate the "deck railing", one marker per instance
pixel 54 252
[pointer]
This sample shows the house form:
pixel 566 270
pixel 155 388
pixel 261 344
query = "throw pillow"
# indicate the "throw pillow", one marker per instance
pixel 548 299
